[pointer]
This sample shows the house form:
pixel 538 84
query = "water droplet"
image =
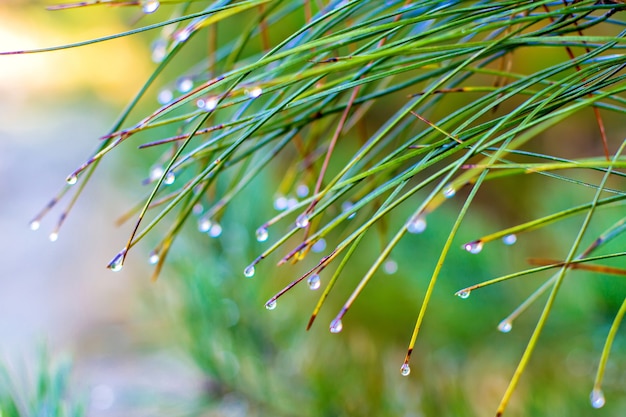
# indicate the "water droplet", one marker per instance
pixel 156 172
pixel 261 234
pixel 336 326
pixel 183 34
pixel 184 84
pixel 34 225
pixel 169 179
pixel 509 239
pixel 390 267
pixel 405 369
pixel 347 206
pixel 165 96
pixel 255 92
pixel 597 398
pixel 291 202
pixel 464 294
pixel 215 230
pixel 53 236
pixel 505 326
pixel 314 282
pixel 207 104
pixel 449 192
pixel 153 258
pixel 71 179
pixel 474 247
pixel 303 220
pixel 280 203
pixel 319 246
pixel 271 305
pixel 118 261
pixel 204 224
pixel 249 271
pixel 159 50
pixel 302 190
pixel 417 225
pixel 197 209
pixel 150 6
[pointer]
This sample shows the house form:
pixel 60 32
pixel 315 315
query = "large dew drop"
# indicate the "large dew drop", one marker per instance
pixel 184 85
pixel 254 92
pixel 390 267
pixel 509 239
pixel 150 6
pixel 169 178
pixel 34 225
pixel 449 192
pixel 71 179
pixel 336 326
pixel 505 326
pixel 474 247
pixel 118 262
pixel 207 104
pixel 215 230
pixel 262 234
pixel 53 236
pixel 271 305
pixel 417 225
pixel 302 221
pixel 314 282
pixel 153 258
pixel 183 34
pixel 165 96
pixel 249 271
pixel 597 398
pixel 405 369
pixel 319 246
pixel 463 294
pixel 204 224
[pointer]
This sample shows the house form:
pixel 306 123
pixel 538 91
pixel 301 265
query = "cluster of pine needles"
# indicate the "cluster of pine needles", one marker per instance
pixel 363 107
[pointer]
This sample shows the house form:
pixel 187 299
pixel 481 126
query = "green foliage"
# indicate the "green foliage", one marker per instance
pixel 377 116
pixel 42 391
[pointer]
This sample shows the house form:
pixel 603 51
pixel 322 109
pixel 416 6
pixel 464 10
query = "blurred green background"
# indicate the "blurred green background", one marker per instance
pixel 199 341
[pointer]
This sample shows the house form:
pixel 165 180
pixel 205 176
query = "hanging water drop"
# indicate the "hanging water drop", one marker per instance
pixel 53 236
pixel 183 34
pixel 71 179
pixel 319 246
pixel 474 247
pixel 153 258
pixel 464 294
pixel 271 305
pixel 159 50
pixel 302 221
pixel 150 6
pixel 505 326
pixel 255 92
pixel 597 398
pixel 215 230
pixel 291 202
pixel 405 369
pixel 207 104
pixel 417 225
pixel 184 84
pixel 169 179
pixel 204 224
pixel 390 267
pixel 197 209
pixel 449 192
pixel 302 190
pixel 336 326
pixel 34 225
pixel 156 172
pixel 118 262
pixel 314 282
pixel 509 239
pixel 165 96
pixel 249 271
pixel 280 203
pixel 262 234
